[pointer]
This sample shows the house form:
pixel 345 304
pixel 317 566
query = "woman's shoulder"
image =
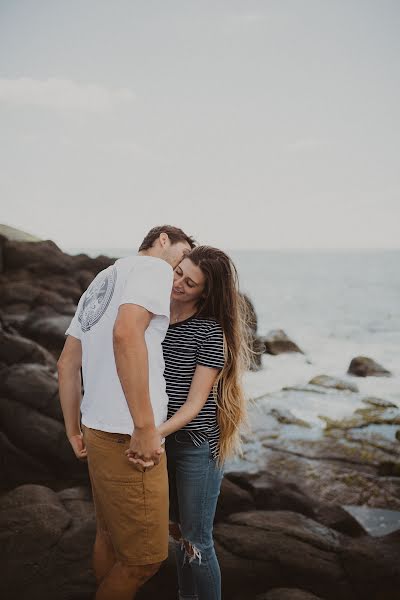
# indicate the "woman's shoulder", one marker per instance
pixel 208 325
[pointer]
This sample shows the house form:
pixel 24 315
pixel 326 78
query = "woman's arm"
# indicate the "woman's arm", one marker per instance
pixel 200 388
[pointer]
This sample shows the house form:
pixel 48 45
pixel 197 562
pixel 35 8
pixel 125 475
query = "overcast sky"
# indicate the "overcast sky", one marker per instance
pixel 269 124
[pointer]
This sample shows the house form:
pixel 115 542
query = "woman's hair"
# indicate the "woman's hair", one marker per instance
pixel 222 301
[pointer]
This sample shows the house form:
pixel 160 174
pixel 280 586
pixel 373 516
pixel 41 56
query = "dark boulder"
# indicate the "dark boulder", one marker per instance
pixel 232 499
pixel 362 366
pixel 49 330
pixel 18 467
pixel 40 258
pixel 45 552
pixel 277 342
pixel 42 438
pixel 32 385
pixel 16 349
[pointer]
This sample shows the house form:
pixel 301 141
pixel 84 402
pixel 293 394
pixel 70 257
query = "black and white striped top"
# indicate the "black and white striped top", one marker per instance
pixel 187 344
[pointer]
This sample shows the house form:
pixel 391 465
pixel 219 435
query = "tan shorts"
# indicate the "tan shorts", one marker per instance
pixel 131 502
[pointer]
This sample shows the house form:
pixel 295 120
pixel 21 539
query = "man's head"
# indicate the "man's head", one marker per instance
pixel 167 242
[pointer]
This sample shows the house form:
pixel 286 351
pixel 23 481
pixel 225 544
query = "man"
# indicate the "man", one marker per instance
pixel 115 336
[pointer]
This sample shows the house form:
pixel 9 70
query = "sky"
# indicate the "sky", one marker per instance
pixel 251 124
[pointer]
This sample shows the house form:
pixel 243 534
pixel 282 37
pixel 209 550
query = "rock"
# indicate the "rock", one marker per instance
pixel 41 258
pixel 362 366
pixel 78 502
pixel 18 467
pixel 18 292
pixel 42 438
pixel 333 382
pixel 277 342
pixel 232 499
pixel 308 388
pixel 82 262
pixel 286 417
pixel 271 493
pixel 363 417
pixel 337 518
pixel 389 468
pixel 333 472
pixel 288 594
pixel 33 385
pixel 48 331
pixel 44 552
pixel 16 349
pixel 378 402
pixel 284 547
pixel 84 278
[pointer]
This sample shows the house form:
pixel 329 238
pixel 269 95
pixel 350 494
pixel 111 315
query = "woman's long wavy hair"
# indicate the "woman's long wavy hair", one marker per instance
pixel 221 300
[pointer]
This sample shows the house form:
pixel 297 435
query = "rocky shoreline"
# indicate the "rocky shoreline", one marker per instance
pixel 281 530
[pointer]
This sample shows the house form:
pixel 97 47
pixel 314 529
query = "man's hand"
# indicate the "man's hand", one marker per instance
pixel 145 447
pixel 78 446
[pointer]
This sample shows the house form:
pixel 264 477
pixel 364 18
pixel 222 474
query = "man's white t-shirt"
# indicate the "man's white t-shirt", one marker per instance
pixel 142 280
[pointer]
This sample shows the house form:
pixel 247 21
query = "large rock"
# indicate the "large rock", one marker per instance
pixel 42 438
pixel 362 366
pixel 15 348
pixel 33 385
pixel 270 493
pixel 44 551
pixel 82 262
pixel 277 342
pixel 18 467
pixel 49 331
pixel 284 547
pixel 40 258
pixel 260 550
pixel 232 499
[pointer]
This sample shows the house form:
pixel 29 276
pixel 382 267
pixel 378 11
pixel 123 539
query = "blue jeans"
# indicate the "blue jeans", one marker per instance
pixel 194 485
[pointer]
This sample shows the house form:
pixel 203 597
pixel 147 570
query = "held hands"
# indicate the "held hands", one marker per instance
pixel 78 446
pixel 145 447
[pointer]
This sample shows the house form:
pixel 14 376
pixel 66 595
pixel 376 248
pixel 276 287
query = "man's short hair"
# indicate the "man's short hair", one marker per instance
pixel 174 233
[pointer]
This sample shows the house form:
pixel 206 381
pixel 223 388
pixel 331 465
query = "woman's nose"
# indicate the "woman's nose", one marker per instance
pixel 178 280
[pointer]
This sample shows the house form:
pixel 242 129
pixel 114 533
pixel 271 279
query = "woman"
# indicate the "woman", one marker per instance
pixel 205 353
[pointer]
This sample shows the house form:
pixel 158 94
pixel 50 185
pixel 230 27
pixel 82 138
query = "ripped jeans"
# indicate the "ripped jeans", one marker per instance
pixel 194 485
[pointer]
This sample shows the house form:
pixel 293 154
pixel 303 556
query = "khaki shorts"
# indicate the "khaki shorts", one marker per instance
pixel 131 502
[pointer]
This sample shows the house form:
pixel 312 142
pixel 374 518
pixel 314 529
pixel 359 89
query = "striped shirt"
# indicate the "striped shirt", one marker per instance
pixel 187 344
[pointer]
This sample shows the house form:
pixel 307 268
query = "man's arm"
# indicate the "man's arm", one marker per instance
pixel 70 389
pixel 131 359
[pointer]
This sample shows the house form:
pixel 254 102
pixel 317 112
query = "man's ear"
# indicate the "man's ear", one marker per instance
pixel 163 239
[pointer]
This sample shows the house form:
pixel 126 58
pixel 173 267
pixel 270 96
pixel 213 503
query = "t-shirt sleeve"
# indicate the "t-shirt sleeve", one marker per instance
pixel 211 351
pixel 75 328
pixel 149 284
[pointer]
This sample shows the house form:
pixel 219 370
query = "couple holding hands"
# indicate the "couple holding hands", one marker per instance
pixel 161 340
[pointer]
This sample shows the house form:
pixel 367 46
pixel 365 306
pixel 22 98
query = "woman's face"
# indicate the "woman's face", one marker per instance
pixel 189 282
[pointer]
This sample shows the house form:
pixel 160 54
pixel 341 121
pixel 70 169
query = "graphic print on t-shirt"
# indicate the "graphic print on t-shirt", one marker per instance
pixel 97 298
